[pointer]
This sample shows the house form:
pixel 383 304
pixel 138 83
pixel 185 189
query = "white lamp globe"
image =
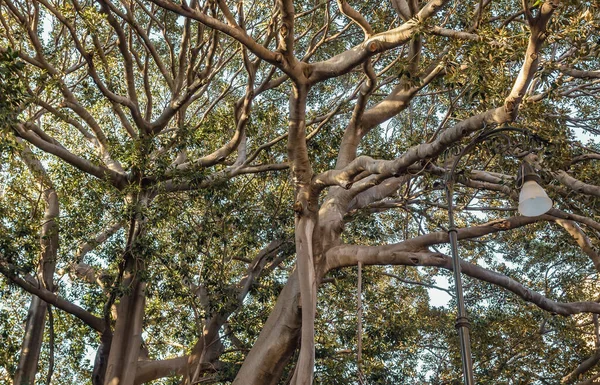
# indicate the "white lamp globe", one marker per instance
pixel 533 200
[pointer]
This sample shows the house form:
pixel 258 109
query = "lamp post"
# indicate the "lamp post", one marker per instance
pixel 533 201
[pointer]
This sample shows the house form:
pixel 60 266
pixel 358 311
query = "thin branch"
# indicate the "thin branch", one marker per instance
pixel 411 282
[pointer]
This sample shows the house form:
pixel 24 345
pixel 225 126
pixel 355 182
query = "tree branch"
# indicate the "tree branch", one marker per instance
pixel 89 319
pixel 381 42
pixel 582 240
pixel 382 255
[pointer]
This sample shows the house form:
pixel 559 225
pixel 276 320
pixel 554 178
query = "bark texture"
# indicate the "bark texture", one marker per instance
pixel 36 316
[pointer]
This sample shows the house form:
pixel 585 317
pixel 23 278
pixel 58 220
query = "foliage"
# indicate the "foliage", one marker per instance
pixel 12 87
pixel 174 149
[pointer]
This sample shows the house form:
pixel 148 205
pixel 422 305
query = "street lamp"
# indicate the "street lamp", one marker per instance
pixel 533 201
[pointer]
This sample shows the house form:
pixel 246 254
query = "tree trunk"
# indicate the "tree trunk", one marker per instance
pixel 127 338
pixel 101 359
pixel 277 341
pixel 36 317
pixel 308 289
pixel 126 341
pixel 32 342
pixel 305 207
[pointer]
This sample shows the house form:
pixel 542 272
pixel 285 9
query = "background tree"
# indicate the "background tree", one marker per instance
pixel 161 204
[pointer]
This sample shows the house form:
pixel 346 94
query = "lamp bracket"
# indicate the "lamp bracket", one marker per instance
pixel 527 173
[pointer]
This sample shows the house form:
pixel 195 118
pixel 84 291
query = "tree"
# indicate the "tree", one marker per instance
pixel 161 202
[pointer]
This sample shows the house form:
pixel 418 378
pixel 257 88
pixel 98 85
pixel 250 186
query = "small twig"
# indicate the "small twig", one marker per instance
pixel 411 282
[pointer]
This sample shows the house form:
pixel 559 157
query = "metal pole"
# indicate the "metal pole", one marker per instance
pixel 462 322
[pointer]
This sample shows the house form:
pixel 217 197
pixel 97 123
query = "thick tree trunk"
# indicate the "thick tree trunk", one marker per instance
pixel 306 207
pixel 308 289
pixel 32 342
pixel 101 359
pixel 277 341
pixel 121 365
pixel 127 338
pixel 36 317
pixel 279 338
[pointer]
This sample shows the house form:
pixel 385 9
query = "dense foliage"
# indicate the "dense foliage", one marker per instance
pixel 188 191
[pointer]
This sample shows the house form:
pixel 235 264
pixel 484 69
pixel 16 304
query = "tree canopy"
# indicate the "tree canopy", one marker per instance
pixel 252 192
